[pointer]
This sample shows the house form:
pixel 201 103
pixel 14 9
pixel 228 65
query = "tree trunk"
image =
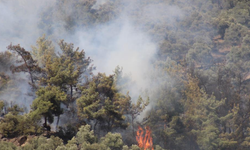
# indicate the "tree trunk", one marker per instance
pixel 31 77
pixel 58 118
pixel 45 121
pixel 71 93
pixel 133 127
pixel 95 128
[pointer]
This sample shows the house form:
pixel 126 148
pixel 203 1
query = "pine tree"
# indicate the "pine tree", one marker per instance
pixel 29 64
pixel 48 103
pixel 102 103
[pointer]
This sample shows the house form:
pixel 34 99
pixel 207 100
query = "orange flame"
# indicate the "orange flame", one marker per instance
pixel 144 142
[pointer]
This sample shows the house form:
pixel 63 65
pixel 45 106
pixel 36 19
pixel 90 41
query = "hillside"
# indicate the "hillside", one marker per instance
pixel 125 74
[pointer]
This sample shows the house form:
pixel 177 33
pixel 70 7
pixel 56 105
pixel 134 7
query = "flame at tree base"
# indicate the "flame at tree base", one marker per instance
pixel 145 142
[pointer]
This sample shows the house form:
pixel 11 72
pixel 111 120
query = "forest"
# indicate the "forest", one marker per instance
pixel 125 75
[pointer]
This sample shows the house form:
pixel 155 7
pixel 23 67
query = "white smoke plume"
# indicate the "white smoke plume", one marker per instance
pixel 99 3
pixel 122 41
pixel 19 21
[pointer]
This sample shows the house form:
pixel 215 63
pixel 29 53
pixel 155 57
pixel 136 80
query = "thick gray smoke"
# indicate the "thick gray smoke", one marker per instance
pixel 120 44
pixel 19 25
pixel 122 41
pixel 125 42
pixel 20 20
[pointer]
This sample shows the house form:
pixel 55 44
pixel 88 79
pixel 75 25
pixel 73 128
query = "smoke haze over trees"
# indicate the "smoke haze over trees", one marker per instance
pixel 84 74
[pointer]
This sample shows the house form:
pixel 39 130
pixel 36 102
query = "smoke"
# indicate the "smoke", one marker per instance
pixel 19 25
pixel 123 40
pixel 18 92
pixel 99 3
pixel 19 21
pixel 124 46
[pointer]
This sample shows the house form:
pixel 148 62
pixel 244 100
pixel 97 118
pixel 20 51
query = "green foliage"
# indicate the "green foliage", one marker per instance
pixel 200 97
pixel 200 53
pixel 1 105
pixel 134 147
pixel 13 125
pixel 202 113
pixel 235 33
pixel 135 109
pixel 15 110
pixel 43 51
pixel 239 56
pixel 6 60
pixel 48 103
pixel 113 141
pixel 85 15
pixel 157 147
pixel 42 143
pixel 4 81
pixel 85 135
pixel 67 70
pixel 86 140
pixel 7 146
pixel 28 64
pixel 101 102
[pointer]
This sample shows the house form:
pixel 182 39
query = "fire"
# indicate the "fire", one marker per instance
pixel 144 142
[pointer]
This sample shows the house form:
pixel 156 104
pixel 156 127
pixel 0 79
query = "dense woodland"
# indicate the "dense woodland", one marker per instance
pixel 200 99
